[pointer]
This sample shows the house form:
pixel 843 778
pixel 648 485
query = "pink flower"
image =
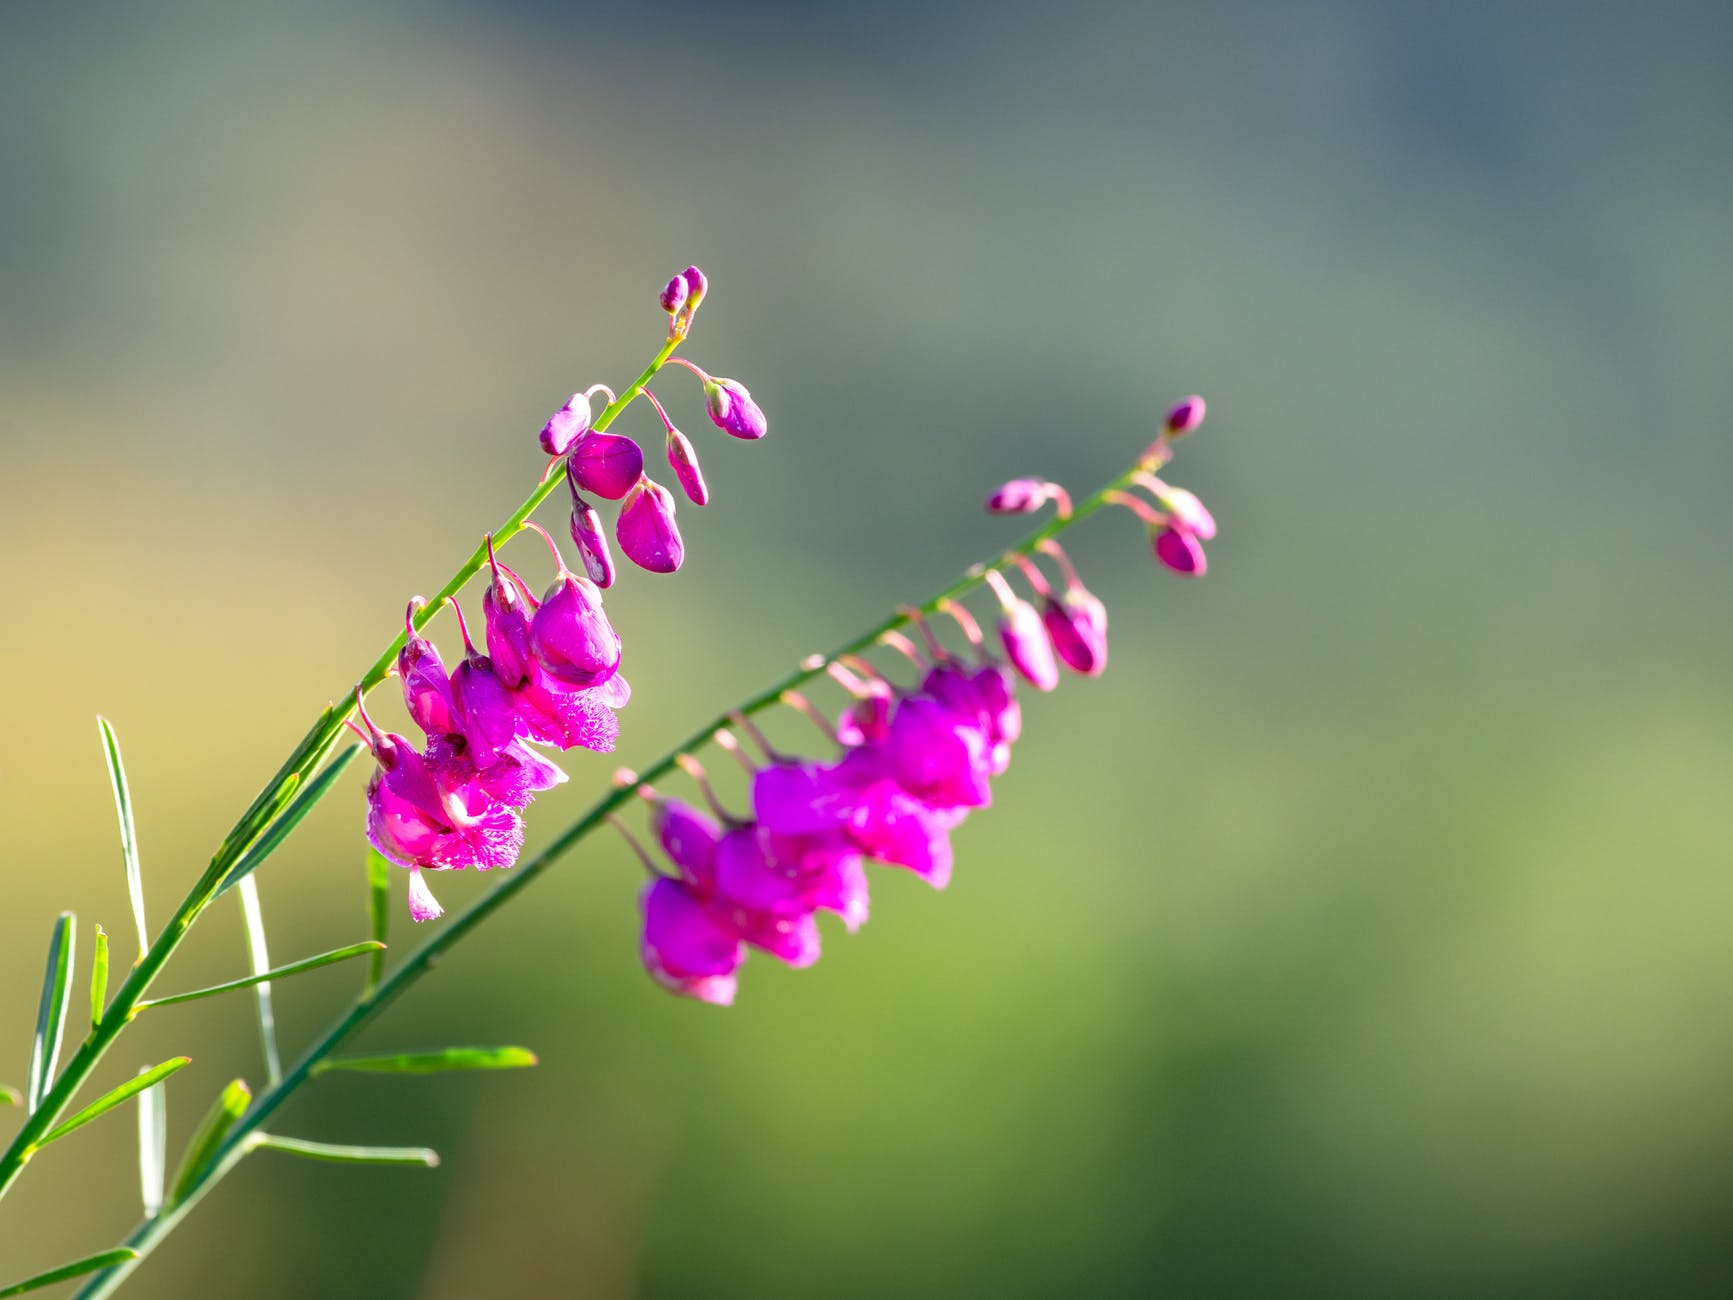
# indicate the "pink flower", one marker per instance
pixel 606 464
pixel 732 409
pixel 570 636
pixel 687 948
pixel 426 684
pixel 646 529
pixel 566 425
pixel 1076 623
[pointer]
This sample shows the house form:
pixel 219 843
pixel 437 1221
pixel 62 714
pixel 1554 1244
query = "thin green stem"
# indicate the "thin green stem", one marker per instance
pixel 373 1000
pixel 314 749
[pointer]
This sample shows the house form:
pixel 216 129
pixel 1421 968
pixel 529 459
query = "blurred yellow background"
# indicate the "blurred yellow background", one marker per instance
pixel 1363 932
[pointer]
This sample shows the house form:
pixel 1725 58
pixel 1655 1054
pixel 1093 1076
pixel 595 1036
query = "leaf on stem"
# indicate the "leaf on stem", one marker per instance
pixel 450 1058
pixel 281 972
pixel 292 817
pixel 102 1105
pixel 229 1107
pixel 128 833
pixel 152 1147
pixel 378 911
pixel 261 960
pixel 99 978
pixel 51 1012
pixel 9 1096
pixel 344 1154
pixel 79 1268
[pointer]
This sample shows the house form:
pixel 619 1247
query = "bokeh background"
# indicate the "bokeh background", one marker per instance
pixel 1365 931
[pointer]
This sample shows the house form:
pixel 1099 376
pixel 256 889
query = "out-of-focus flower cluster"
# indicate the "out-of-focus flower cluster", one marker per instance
pixel 911 763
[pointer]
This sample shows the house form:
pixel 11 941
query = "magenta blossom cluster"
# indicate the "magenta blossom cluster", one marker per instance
pixel 611 466
pixel 912 762
pixel 549 676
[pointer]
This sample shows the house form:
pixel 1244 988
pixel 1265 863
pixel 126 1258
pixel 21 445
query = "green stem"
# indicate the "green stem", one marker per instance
pixel 376 998
pixel 314 748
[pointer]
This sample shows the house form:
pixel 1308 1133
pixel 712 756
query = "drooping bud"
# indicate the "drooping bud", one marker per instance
pixel 1021 496
pixel 566 425
pixel 426 684
pixel 1076 624
pixel 688 837
pixel 683 460
pixel 505 610
pixel 732 409
pixel 592 542
pixel 646 529
pixel 674 294
pixel 1023 636
pixel 1180 551
pixel 1189 514
pixel 606 464
pixel 1185 416
pixel 686 949
pixel 696 286
pixel 570 635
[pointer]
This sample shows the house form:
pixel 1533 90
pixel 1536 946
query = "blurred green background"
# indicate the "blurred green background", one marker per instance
pixel 1363 932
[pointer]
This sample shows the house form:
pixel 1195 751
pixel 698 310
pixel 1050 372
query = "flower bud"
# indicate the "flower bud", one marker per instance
pixel 1185 416
pixel 1180 551
pixel 592 542
pixel 646 529
pixel 1076 624
pixel 732 409
pixel 570 635
pixel 505 610
pixel 606 464
pixel 426 684
pixel 674 294
pixel 1026 645
pixel 696 285
pixel 1021 496
pixel 1189 514
pixel 683 460
pixel 566 425
pixel 688 837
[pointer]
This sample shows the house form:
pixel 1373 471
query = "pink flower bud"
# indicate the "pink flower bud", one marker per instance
pixel 1189 514
pixel 606 464
pixel 686 948
pixel 674 294
pixel 1180 551
pixel 688 837
pixel 426 684
pixel 1026 645
pixel 1021 496
pixel 683 460
pixel 566 425
pixel 505 610
pixel 1077 626
pixel 732 409
pixel 592 542
pixel 1185 416
pixel 697 286
pixel 570 635
pixel 646 529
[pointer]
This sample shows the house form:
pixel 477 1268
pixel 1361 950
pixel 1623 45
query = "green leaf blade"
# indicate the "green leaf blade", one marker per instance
pixel 230 1105
pixel 99 978
pixel 280 972
pixel 440 1062
pixel 256 953
pixel 108 1101
pixel 347 1155
pixel 128 832
pixel 291 817
pixel 51 1011
pixel 108 1259
pixel 378 912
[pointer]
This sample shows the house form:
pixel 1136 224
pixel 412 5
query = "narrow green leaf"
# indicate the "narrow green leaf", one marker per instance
pixel 10 1096
pixel 346 1155
pixel 229 1107
pixel 108 1101
pixel 99 978
pixel 378 911
pixel 152 1147
pixel 451 1058
pixel 281 972
pixel 291 817
pixel 255 918
pixel 51 1013
pixel 107 1259
pixel 128 834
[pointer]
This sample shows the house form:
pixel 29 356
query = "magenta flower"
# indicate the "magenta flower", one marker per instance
pixel 606 464
pixel 1026 645
pixel 688 837
pixel 1021 496
pixel 686 948
pixel 683 460
pixel 551 713
pixel 1076 623
pixel 506 613
pixel 570 636
pixel 938 754
pixel 646 529
pixel 674 295
pixel 732 409
pixel 426 684
pixel 566 425
pixel 1181 552
pixel 592 542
